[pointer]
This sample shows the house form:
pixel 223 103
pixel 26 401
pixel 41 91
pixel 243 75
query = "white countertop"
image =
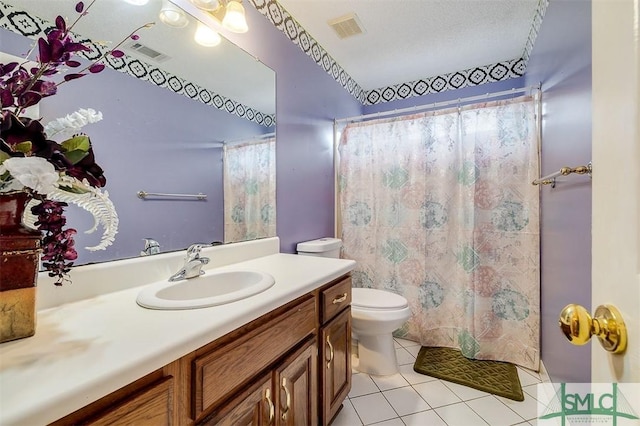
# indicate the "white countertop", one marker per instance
pixel 87 349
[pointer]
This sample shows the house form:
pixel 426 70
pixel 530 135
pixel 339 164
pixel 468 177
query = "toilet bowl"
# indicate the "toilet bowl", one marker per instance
pixel 375 315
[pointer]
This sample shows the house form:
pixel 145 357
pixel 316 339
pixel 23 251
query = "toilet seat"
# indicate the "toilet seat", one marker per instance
pixel 376 300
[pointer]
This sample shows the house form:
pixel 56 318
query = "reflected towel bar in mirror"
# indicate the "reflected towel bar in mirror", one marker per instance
pixel 144 195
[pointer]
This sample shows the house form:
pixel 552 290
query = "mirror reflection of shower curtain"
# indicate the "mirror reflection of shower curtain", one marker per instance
pixel 250 190
pixel 439 207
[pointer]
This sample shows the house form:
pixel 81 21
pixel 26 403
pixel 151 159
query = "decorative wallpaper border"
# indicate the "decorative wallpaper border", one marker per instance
pixel 21 22
pixel 456 80
pixel 535 29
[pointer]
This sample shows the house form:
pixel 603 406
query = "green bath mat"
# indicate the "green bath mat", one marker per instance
pixel 498 378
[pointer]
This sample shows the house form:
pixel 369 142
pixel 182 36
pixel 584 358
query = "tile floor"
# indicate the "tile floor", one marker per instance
pixel 409 398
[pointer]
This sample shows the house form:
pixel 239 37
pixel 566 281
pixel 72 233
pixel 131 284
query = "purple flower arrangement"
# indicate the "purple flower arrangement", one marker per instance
pixel 53 173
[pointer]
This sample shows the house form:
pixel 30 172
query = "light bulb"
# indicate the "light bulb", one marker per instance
pixel 205 36
pixel 173 16
pixel 234 19
pixel 137 2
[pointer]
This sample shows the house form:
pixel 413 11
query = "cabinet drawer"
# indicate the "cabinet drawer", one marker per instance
pixel 223 370
pixel 335 298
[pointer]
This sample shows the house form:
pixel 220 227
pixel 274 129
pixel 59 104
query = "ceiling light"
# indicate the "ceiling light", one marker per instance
pixel 172 15
pixel 137 2
pixel 206 36
pixel 234 19
pixel 206 4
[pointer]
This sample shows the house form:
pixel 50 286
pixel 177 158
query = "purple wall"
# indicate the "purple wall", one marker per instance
pixel 561 60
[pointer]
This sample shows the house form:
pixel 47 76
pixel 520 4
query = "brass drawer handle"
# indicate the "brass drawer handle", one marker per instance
pixel 340 299
pixel 330 352
pixel 272 409
pixel 285 410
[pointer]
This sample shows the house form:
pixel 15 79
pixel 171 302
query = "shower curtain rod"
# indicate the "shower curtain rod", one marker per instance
pixel 426 107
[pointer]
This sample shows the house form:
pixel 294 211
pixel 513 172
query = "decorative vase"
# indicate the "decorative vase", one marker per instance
pixel 19 255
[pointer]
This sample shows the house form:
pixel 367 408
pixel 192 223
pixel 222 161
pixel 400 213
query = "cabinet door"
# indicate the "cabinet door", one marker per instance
pixel 254 406
pixel 296 382
pixel 335 369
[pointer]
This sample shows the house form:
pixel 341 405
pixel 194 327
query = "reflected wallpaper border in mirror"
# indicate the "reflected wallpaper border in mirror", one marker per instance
pixel 21 22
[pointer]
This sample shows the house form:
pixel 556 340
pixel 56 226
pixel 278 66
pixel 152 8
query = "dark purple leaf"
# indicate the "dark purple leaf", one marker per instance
pixel 7 68
pixel 50 71
pixel 28 99
pixel 55 35
pixel 57 50
pixel 117 53
pixel 6 98
pixel 45 88
pixel 44 50
pixel 79 7
pixel 76 47
pixel 60 23
pixel 70 77
pixel 135 36
pixel 96 68
pixel 72 64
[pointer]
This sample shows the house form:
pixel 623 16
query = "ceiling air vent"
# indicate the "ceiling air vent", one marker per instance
pixel 347 25
pixel 147 51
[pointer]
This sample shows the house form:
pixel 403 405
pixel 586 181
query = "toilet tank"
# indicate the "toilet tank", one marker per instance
pixel 323 247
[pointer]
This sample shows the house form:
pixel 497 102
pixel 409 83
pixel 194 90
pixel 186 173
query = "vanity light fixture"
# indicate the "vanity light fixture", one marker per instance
pixel 206 36
pixel 229 13
pixel 234 19
pixel 172 15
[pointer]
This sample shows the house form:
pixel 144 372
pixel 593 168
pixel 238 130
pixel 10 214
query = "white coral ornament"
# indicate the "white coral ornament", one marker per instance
pixel 90 199
pixel 72 123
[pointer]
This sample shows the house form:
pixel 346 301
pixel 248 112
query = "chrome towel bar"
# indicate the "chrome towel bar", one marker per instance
pixel 145 194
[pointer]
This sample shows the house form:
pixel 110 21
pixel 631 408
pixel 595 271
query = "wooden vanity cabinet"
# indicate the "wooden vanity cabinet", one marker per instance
pixel 286 396
pixel 334 338
pixel 285 347
pixel 149 401
pixel 291 366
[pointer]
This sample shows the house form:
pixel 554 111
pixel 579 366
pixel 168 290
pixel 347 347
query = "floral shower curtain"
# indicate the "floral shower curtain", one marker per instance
pixel 250 190
pixel 439 207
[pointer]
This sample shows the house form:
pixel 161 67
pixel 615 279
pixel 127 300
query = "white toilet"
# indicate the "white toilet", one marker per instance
pixel 375 315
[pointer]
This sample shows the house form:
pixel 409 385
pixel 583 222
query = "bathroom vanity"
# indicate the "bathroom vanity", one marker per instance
pixel 279 357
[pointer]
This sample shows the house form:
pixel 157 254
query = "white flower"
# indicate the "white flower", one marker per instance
pixel 73 122
pixel 33 172
pixel 8 183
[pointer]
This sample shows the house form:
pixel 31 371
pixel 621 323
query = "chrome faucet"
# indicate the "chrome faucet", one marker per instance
pixel 193 263
pixel 151 246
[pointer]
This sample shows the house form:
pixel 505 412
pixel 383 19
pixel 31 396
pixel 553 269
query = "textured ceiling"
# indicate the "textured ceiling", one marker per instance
pixel 407 40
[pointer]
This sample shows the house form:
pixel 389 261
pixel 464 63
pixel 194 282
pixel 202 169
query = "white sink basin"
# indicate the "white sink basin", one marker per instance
pixel 210 289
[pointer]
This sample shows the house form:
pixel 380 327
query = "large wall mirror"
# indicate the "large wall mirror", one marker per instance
pixel 178 118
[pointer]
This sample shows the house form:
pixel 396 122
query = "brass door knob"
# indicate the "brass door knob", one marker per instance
pixel 607 324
